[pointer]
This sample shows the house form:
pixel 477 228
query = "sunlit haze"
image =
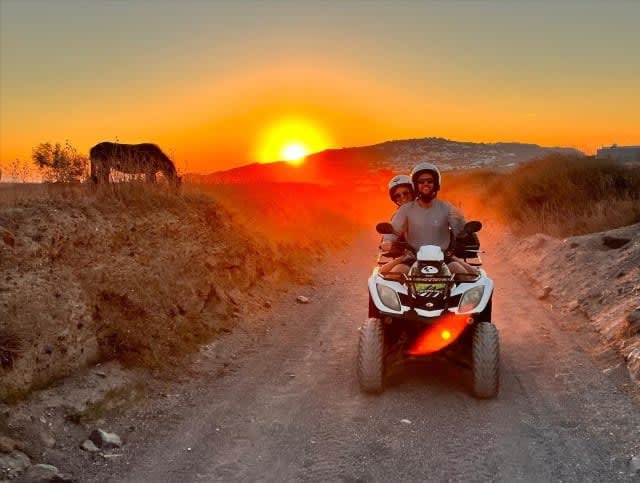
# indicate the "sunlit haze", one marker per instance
pixel 290 139
pixel 222 84
pixel 294 153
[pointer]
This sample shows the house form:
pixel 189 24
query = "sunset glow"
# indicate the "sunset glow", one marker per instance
pixel 290 140
pixel 224 84
pixel 294 153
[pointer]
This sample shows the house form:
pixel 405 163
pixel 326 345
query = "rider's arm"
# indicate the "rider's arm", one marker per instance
pixel 389 265
pixel 399 223
pixel 456 220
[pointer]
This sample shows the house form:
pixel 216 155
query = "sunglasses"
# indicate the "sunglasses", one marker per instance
pixel 426 181
pixel 401 194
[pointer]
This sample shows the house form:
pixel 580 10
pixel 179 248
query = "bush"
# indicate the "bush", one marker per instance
pixel 19 170
pixel 60 163
pixel 567 195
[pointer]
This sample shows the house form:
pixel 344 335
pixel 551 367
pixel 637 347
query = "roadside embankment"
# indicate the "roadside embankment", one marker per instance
pixel 597 275
pixel 137 274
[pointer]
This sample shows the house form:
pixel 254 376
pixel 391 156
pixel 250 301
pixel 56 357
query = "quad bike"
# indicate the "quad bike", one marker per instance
pixel 430 312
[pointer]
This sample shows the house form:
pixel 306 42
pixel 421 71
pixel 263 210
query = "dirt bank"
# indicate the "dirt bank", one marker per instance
pixel 597 275
pixel 129 273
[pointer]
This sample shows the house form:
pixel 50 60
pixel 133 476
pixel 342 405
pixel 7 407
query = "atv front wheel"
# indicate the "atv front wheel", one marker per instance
pixel 485 360
pixel 371 356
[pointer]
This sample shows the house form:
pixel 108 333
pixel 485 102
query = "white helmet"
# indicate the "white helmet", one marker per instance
pixel 421 168
pixel 399 180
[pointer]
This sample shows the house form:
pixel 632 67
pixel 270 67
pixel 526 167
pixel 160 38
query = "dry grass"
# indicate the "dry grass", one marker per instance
pixel 559 195
pixel 565 196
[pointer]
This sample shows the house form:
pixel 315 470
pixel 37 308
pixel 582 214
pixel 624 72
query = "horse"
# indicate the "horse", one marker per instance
pixel 145 158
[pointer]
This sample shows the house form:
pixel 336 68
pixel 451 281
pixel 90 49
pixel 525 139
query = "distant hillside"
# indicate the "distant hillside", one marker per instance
pixel 619 153
pixel 368 163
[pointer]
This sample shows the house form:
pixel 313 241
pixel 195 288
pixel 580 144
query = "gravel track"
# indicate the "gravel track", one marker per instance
pixel 284 405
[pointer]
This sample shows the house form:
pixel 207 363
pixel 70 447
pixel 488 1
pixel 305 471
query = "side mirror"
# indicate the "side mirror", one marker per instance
pixel 385 228
pixel 472 227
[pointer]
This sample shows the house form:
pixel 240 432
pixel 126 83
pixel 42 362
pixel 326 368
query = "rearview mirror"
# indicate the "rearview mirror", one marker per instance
pixel 385 228
pixel 472 227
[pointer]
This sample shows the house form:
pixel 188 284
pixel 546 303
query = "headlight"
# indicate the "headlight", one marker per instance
pixel 470 299
pixel 388 296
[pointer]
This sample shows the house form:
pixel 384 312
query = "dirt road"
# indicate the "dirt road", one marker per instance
pixel 288 407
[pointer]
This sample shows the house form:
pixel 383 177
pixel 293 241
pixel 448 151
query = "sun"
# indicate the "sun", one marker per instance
pixel 294 152
pixel 290 140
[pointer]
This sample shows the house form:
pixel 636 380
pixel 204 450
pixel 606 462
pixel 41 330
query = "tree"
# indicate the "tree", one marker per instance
pixel 60 163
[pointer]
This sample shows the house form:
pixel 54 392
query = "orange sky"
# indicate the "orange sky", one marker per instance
pixel 205 81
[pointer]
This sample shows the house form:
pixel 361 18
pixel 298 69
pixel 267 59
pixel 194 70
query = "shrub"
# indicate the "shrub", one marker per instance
pixel 60 163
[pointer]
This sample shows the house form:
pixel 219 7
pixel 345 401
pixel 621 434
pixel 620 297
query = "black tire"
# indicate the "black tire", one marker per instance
pixel 485 360
pixel 371 356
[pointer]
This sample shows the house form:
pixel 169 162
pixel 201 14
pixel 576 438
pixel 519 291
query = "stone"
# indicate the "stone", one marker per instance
pixel 545 292
pixel 105 440
pixel 614 242
pixel 47 439
pixel 593 293
pixel 42 473
pixel 7 445
pixel 88 445
pixel 633 317
pixel 234 296
pixel 13 464
pixel 301 299
pixel 633 322
pixel 633 364
pixel 8 238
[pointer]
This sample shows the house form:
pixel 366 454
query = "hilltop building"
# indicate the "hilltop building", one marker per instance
pixel 619 153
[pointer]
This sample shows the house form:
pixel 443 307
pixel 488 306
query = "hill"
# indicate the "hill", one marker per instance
pixel 369 164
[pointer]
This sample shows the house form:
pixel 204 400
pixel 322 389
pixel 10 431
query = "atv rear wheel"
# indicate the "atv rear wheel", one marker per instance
pixel 485 360
pixel 371 356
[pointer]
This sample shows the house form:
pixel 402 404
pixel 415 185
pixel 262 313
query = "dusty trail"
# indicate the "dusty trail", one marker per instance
pixel 290 408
